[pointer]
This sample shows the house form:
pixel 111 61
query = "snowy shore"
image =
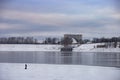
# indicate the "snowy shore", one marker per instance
pixel 10 71
pixel 29 47
pixel 32 47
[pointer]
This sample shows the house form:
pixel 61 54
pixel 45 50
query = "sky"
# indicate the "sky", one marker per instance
pixel 54 18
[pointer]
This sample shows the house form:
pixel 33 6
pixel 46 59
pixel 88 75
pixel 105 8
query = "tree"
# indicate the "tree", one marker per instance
pixel 85 41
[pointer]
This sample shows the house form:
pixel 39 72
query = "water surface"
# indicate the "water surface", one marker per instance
pixel 77 58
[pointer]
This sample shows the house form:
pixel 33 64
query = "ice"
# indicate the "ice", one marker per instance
pixel 56 72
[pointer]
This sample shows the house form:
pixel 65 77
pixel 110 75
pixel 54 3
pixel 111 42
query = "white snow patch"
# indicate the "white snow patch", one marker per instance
pixel 39 47
pixel 57 72
pixel 29 47
pixel 92 48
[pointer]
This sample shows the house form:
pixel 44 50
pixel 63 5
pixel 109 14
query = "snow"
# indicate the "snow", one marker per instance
pixel 92 48
pixel 29 47
pixel 10 71
pixel 39 47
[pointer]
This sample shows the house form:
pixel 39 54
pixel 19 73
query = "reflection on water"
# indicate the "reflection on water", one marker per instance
pixel 96 59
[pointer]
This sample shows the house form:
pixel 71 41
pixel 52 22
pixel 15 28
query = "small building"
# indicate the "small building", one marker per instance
pixel 77 37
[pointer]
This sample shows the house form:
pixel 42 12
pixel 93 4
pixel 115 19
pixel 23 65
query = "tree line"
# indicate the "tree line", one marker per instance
pixel 114 41
pixel 18 40
pixel 63 41
pixel 31 40
pixel 28 40
pixel 109 42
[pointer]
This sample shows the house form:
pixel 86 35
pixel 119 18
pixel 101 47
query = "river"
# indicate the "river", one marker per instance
pixel 70 58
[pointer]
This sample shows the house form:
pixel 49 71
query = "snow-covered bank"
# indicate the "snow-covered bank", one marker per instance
pixel 57 72
pixel 93 48
pixel 32 47
pixel 29 47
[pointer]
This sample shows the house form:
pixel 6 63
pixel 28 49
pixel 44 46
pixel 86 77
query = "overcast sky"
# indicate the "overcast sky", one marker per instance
pixel 38 18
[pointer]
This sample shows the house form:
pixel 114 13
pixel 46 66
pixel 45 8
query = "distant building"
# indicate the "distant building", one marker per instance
pixel 77 37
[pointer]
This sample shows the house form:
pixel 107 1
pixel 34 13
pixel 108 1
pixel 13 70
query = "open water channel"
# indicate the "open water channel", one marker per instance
pixel 76 58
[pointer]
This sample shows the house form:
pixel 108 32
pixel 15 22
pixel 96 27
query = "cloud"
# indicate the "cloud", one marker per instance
pixel 59 19
pixel 90 22
pixel 117 4
pixel 54 19
pixel 6 26
pixel 34 34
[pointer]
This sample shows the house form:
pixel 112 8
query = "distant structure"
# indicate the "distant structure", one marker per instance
pixel 77 37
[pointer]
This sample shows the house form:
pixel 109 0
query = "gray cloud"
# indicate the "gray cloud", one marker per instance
pixel 58 19
pixel 3 3
pixel 116 5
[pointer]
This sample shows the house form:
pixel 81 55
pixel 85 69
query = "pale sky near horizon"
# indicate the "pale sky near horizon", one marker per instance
pixel 53 18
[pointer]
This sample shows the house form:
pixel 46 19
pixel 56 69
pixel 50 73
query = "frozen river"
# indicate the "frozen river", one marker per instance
pixel 59 66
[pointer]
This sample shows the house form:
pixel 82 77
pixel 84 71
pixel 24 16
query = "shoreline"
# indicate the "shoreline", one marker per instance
pixel 54 48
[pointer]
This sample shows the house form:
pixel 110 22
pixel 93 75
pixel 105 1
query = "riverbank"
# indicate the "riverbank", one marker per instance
pixel 41 47
pixel 29 47
pixel 10 71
